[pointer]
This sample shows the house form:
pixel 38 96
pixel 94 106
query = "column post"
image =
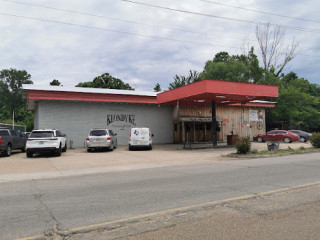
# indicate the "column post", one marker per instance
pixel 214 124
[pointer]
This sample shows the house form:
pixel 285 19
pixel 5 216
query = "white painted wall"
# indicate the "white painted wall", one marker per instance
pixel 76 119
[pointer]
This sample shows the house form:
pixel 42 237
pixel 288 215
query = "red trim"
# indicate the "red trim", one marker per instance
pixel 89 97
pixel 223 92
pixel 198 93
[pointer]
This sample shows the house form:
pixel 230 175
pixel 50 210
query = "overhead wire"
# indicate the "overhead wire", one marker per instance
pixel 115 31
pixel 110 30
pixel 259 11
pixel 220 17
pixel 116 19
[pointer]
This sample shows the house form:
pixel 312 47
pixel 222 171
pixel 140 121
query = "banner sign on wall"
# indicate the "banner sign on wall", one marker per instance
pixel 255 115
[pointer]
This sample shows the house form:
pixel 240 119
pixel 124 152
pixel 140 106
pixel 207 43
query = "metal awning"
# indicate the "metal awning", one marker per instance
pixel 222 92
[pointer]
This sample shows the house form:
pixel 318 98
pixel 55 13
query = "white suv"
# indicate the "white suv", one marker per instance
pixel 46 140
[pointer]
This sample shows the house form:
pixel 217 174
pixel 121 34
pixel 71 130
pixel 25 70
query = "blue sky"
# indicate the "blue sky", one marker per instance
pixel 144 45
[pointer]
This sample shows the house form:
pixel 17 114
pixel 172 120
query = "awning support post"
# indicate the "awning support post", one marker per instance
pixel 214 124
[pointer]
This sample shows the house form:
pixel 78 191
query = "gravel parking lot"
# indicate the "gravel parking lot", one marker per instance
pixel 79 161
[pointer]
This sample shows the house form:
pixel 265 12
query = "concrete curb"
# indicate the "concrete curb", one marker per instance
pixel 170 212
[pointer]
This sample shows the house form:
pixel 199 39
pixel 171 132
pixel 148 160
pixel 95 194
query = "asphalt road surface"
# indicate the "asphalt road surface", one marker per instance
pixel 78 203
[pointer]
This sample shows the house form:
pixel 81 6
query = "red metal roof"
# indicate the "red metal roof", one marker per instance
pixel 89 97
pixel 222 92
pixel 198 93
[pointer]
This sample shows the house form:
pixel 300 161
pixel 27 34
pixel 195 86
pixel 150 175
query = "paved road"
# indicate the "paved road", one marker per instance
pixel 292 214
pixel 33 207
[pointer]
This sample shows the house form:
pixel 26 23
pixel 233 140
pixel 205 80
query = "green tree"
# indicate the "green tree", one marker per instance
pixel 180 81
pixel 157 88
pixel 236 68
pixel 298 105
pixel 11 81
pixel 55 82
pixel 11 87
pixel 106 81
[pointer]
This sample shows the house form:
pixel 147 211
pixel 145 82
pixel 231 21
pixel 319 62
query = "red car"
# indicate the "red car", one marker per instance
pixel 277 136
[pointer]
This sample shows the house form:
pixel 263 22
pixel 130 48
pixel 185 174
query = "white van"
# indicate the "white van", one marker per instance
pixel 140 138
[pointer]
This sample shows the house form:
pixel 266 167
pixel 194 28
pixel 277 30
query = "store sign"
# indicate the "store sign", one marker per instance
pixel 255 115
pixel 123 118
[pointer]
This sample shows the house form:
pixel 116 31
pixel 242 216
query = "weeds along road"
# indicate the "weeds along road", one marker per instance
pixel 70 205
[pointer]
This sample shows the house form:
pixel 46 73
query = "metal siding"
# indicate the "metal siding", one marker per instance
pixel 76 119
pixel 36 116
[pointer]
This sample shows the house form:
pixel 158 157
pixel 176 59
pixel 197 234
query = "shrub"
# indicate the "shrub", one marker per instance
pixel 254 151
pixel 243 145
pixel 315 140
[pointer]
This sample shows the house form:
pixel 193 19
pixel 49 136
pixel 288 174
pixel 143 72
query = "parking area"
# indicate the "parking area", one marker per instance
pixel 79 161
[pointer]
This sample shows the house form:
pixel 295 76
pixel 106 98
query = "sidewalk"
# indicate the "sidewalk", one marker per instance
pixel 78 161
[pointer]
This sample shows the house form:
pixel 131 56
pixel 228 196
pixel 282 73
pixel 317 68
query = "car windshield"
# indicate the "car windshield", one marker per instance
pixel 4 133
pixel 98 133
pixel 44 134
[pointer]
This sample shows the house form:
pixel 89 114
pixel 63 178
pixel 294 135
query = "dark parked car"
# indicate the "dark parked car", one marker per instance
pixel 277 136
pixel 304 136
pixel 11 139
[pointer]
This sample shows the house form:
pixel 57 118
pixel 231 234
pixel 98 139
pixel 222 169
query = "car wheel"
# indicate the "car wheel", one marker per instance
pixel 302 139
pixel 58 152
pixel 23 149
pixel 287 140
pixel 130 148
pixel 260 139
pixel 88 149
pixel 150 147
pixel 65 148
pixel 29 154
pixel 111 147
pixel 8 151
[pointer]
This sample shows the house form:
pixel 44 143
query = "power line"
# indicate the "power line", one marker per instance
pixel 114 19
pixel 220 17
pixel 258 11
pixel 123 32
pixel 115 31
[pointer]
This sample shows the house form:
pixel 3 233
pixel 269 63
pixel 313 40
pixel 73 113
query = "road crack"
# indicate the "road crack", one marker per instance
pixel 45 213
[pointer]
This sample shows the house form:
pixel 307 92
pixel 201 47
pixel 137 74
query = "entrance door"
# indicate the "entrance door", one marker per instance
pixel 200 132
pixel 189 132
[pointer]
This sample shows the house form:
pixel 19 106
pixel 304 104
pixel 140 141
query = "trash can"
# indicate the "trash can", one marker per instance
pixel 273 146
pixel 232 139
